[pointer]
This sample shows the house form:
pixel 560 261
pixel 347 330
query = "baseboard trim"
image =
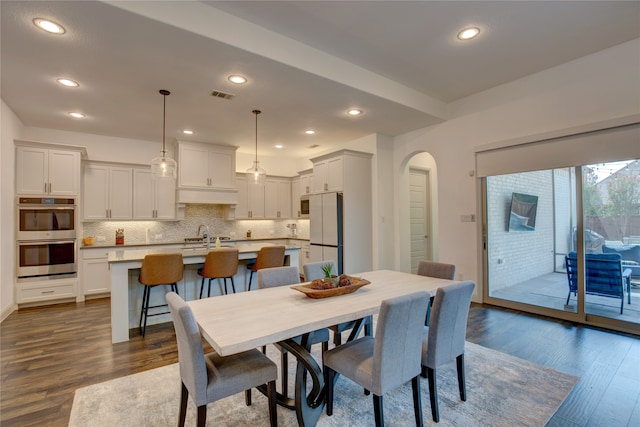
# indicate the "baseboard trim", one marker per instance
pixel 7 311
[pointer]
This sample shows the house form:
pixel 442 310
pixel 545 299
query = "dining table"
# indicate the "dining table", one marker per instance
pixel 239 322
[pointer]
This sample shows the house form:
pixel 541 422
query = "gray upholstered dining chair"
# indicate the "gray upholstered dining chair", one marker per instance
pixel 387 361
pixel 439 270
pixel 207 378
pixel 312 271
pixel 283 276
pixel 443 340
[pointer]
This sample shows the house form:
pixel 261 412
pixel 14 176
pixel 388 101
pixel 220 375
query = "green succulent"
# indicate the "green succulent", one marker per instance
pixel 326 269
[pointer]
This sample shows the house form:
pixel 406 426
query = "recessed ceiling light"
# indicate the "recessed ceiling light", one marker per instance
pixel 187 132
pixel 237 79
pixel 49 26
pixel 354 112
pixel 279 145
pixel 77 115
pixel 68 82
pixel 310 132
pixel 468 33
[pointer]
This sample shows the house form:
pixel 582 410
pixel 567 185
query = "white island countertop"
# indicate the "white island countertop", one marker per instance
pixel 246 251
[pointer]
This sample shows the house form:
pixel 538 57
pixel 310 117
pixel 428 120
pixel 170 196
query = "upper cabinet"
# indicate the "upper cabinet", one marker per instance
pixel 206 173
pixel 277 200
pixel 42 171
pixel 107 192
pixel 306 182
pixel 329 170
pixel 328 175
pixel 153 198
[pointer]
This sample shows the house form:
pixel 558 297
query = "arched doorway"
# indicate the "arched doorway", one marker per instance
pixel 418 211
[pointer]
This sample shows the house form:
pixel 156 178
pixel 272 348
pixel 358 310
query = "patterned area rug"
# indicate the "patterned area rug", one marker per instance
pixel 502 390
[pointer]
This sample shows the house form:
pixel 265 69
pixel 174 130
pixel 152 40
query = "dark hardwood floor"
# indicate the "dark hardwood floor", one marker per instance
pixel 48 352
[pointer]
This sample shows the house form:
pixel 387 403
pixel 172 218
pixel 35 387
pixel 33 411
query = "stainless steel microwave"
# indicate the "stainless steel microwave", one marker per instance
pixel 304 207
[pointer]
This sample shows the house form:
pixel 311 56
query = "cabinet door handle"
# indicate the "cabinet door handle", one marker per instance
pixel 278 215
pixel 49 187
pixel 45 187
pixel 326 187
pixel 47 292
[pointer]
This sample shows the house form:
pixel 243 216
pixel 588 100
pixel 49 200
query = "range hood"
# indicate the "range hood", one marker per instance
pixel 211 196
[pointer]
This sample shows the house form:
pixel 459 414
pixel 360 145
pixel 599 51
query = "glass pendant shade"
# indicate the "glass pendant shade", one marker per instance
pixel 255 174
pixel 164 166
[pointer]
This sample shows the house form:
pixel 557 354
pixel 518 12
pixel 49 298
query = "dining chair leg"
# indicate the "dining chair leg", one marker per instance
pixel 378 411
pixel 225 285
pixel 433 394
pixel 202 416
pixel 184 395
pixel 247 397
pixel 417 400
pixel 233 286
pixel 328 382
pixel 209 289
pixel 284 362
pixel 271 395
pixel 337 338
pixel 461 380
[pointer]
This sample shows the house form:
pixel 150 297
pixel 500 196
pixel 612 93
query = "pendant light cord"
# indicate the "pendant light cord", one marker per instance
pixel 256 112
pixel 164 94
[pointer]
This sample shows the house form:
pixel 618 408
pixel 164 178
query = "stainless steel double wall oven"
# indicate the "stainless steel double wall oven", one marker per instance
pixel 46 237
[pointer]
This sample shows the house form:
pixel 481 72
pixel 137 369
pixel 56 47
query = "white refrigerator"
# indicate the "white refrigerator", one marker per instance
pixel 325 228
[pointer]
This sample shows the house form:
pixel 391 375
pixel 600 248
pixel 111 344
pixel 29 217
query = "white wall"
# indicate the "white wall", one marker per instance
pixel 11 128
pixel 598 87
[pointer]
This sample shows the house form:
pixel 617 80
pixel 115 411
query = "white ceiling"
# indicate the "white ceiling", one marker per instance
pixel 307 62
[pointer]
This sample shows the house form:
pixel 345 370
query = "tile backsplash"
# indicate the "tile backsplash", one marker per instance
pixel 140 232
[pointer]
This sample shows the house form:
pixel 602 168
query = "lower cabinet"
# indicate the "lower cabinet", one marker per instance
pixel 94 273
pixel 46 291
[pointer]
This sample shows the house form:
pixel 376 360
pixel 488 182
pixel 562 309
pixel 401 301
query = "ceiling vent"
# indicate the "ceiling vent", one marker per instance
pixel 223 95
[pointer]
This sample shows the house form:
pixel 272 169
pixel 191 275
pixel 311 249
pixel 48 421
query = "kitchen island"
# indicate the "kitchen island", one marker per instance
pixel 126 292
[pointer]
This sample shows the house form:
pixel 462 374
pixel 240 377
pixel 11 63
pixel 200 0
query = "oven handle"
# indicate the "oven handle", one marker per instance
pixel 46 207
pixel 45 242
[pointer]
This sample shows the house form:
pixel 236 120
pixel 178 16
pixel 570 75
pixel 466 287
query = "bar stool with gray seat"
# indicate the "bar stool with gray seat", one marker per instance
pixel 221 263
pixel 443 340
pixel 312 271
pixel 387 361
pixel 211 377
pixel 284 276
pixel 268 256
pixel 158 269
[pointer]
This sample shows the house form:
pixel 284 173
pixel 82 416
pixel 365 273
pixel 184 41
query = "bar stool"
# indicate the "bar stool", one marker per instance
pixel 268 257
pixel 221 263
pixel 158 269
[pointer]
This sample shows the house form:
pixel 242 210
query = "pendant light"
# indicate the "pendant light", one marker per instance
pixel 255 174
pixel 163 166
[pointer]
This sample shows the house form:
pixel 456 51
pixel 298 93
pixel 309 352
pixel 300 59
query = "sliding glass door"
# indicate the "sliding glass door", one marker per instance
pixel 531 234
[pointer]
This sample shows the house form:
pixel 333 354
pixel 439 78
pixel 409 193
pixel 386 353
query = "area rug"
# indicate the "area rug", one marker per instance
pixel 502 390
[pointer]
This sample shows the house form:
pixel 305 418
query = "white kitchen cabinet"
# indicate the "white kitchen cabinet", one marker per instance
pixel 328 174
pixel 295 197
pixel 250 199
pixel 45 291
pixel 47 172
pixel 306 182
pixel 94 273
pixel 107 192
pixel 206 165
pixel 153 198
pixel 277 200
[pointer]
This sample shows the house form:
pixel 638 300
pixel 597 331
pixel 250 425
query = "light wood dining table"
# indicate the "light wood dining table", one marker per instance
pixel 243 321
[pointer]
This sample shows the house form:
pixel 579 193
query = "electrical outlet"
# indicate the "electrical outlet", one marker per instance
pixel 158 236
pixel 232 234
pixel 100 238
pixel 468 218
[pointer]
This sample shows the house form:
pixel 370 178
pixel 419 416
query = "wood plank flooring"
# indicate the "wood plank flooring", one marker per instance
pixel 48 352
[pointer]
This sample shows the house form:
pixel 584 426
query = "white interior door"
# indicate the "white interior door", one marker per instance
pixel 419 217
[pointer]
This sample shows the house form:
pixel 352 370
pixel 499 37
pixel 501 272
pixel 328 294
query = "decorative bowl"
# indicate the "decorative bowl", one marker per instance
pixel 356 283
pixel 88 241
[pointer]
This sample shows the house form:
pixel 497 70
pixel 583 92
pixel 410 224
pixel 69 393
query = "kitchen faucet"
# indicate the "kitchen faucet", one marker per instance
pixel 207 235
